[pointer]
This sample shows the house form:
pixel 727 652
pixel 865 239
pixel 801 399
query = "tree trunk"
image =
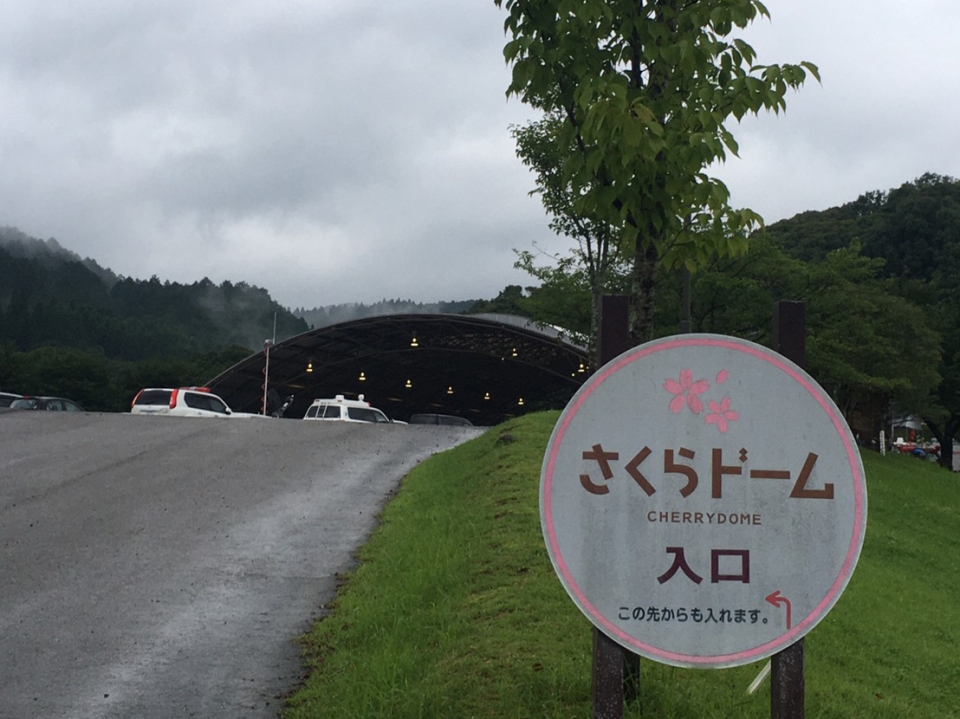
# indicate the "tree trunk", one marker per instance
pixel 596 299
pixel 944 434
pixel 946 452
pixel 643 278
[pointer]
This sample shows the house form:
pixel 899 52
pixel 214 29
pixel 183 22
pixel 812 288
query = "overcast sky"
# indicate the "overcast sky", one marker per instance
pixel 338 151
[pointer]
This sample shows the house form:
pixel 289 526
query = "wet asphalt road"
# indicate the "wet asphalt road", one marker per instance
pixel 159 567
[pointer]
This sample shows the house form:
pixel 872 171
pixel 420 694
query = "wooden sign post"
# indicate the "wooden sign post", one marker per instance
pixel 683 524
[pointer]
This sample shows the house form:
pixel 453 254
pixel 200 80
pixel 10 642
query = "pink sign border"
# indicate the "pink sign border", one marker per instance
pixel 856 540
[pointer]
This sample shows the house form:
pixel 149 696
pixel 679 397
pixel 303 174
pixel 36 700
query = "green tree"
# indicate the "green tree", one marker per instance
pixel 595 260
pixel 644 89
pixel 919 237
pixel 944 419
pixel 563 298
pixel 84 376
pixel 867 346
pixel 915 230
pixel 508 302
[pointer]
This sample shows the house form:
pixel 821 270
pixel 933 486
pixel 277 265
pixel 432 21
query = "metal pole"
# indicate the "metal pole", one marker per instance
pixel 267 344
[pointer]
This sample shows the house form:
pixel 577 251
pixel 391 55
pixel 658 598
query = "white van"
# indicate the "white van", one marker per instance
pixel 341 409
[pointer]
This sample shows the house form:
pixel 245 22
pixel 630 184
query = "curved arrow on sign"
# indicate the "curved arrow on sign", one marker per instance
pixel 778 600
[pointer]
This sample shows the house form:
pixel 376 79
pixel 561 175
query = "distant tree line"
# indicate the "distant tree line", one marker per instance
pixel 45 303
pixel 71 328
pixel 100 383
pixel 881 280
pixel 880 277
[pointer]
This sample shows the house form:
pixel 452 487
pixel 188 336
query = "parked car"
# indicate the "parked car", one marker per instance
pixel 920 451
pixel 7 397
pixel 447 419
pixel 183 402
pixel 341 409
pixel 54 404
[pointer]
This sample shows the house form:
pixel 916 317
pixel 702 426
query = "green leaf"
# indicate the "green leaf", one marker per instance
pixel 638 96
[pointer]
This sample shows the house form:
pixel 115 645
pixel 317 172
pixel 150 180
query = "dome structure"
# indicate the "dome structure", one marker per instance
pixel 485 368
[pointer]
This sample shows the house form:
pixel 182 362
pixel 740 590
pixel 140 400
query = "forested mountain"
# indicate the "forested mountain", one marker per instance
pixel 71 327
pixel 49 253
pixel 50 297
pixel 880 277
pixel 913 234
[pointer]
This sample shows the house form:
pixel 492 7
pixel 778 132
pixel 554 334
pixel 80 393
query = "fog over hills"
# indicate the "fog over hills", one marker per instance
pixel 49 253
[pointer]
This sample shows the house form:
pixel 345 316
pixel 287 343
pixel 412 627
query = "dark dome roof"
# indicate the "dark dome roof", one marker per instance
pixel 486 368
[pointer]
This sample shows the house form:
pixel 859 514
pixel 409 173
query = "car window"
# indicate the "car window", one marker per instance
pixel 205 402
pixel 330 411
pixel 71 406
pixel 360 413
pixel 366 414
pixel 24 404
pixel 312 412
pixel 54 405
pixel 217 405
pixel 154 396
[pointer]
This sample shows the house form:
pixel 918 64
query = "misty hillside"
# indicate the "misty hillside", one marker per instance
pixel 50 296
pixel 335 314
pixel 48 252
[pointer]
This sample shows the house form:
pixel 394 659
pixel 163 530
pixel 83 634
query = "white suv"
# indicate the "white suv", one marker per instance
pixel 340 409
pixel 183 402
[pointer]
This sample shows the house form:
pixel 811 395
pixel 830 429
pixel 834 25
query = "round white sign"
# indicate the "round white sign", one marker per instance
pixel 703 501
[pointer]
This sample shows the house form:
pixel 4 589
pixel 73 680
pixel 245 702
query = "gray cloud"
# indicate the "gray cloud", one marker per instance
pixel 883 115
pixel 349 150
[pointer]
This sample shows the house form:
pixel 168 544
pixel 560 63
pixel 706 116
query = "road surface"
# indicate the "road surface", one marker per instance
pixel 160 567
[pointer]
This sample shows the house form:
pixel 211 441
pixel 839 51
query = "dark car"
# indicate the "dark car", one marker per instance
pixel 446 419
pixel 55 404
pixel 6 398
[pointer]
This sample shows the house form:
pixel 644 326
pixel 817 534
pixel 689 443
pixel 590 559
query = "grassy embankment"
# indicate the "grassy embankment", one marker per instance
pixel 455 610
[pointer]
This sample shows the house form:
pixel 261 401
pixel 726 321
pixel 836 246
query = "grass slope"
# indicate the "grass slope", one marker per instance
pixel 455 611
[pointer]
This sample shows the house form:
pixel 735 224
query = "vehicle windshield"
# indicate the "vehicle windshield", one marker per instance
pixel 323 411
pixel 366 414
pixel 24 404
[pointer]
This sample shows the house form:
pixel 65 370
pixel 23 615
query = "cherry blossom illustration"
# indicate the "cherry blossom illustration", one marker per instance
pixel 721 414
pixel 686 392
